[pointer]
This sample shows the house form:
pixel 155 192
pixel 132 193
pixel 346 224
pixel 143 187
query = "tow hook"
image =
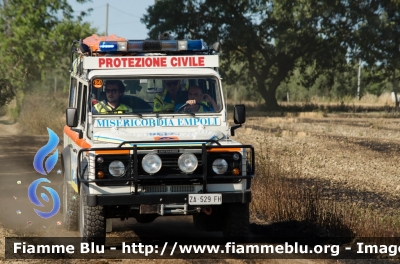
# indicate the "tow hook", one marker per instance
pixel 207 210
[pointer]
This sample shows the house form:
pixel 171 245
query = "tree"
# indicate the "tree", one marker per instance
pixel 378 39
pixel 269 38
pixel 6 92
pixel 34 38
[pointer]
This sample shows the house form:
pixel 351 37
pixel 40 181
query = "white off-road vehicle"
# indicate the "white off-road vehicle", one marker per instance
pixel 152 161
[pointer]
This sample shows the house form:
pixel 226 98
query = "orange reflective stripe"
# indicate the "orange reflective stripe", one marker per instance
pixel 111 152
pixel 224 150
pixel 75 137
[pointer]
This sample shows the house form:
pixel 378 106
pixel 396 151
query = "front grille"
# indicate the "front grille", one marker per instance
pixel 154 189
pixel 182 188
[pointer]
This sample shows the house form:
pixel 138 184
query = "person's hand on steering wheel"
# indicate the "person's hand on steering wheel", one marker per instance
pixel 191 106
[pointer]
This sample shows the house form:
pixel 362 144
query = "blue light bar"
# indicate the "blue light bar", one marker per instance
pixel 107 46
pixel 195 45
pixel 152 45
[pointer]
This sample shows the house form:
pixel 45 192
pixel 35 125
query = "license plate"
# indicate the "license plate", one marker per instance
pixel 203 198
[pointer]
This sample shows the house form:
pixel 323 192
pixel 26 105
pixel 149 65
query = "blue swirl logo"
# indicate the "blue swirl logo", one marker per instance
pixel 34 199
pixel 46 169
pixel 44 151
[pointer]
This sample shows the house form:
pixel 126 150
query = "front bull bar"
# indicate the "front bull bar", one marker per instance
pixel 133 161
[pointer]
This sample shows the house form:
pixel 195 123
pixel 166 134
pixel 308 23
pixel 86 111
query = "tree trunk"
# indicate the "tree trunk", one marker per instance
pixel 269 97
pixel 268 94
pixel 284 65
pixel 394 85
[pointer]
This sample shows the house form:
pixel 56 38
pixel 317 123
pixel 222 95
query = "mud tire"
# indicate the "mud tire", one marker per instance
pixel 236 222
pixel 92 221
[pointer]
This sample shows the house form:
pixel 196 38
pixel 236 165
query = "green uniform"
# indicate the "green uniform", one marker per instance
pixel 163 102
pixel 103 108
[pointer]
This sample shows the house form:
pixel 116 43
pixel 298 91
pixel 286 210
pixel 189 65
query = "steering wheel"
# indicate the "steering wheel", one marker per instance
pixel 184 105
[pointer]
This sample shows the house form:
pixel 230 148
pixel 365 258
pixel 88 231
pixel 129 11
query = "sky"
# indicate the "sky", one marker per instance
pixel 123 16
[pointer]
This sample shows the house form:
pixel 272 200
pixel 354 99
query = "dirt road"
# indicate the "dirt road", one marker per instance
pixel 17 173
pixel 17 211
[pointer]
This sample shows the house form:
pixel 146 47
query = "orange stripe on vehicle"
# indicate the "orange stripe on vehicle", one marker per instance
pixel 75 137
pixel 224 150
pixel 111 152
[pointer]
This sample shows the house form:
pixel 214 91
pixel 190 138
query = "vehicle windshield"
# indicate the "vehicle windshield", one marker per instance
pixel 155 95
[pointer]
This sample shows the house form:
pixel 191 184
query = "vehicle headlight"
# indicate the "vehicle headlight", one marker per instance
pixel 116 168
pixel 188 162
pixel 220 166
pixel 151 163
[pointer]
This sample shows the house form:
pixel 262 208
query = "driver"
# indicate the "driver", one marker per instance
pixel 198 101
pixel 114 91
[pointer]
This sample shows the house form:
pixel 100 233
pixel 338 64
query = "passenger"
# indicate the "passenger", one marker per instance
pixel 171 96
pixel 111 105
pixel 198 101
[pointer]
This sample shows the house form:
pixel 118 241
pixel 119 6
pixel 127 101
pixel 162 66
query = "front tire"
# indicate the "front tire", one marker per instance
pixel 92 221
pixel 236 222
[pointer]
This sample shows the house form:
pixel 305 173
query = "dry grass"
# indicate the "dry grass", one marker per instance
pixel 368 103
pixel 384 99
pixel 43 110
pixel 282 194
pixel 365 100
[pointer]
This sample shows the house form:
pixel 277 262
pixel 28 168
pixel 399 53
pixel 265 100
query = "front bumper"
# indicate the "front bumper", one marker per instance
pixel 182 198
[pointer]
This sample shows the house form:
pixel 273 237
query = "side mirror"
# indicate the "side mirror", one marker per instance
pixel 72 117
pixel 239 114
pixel 239 117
